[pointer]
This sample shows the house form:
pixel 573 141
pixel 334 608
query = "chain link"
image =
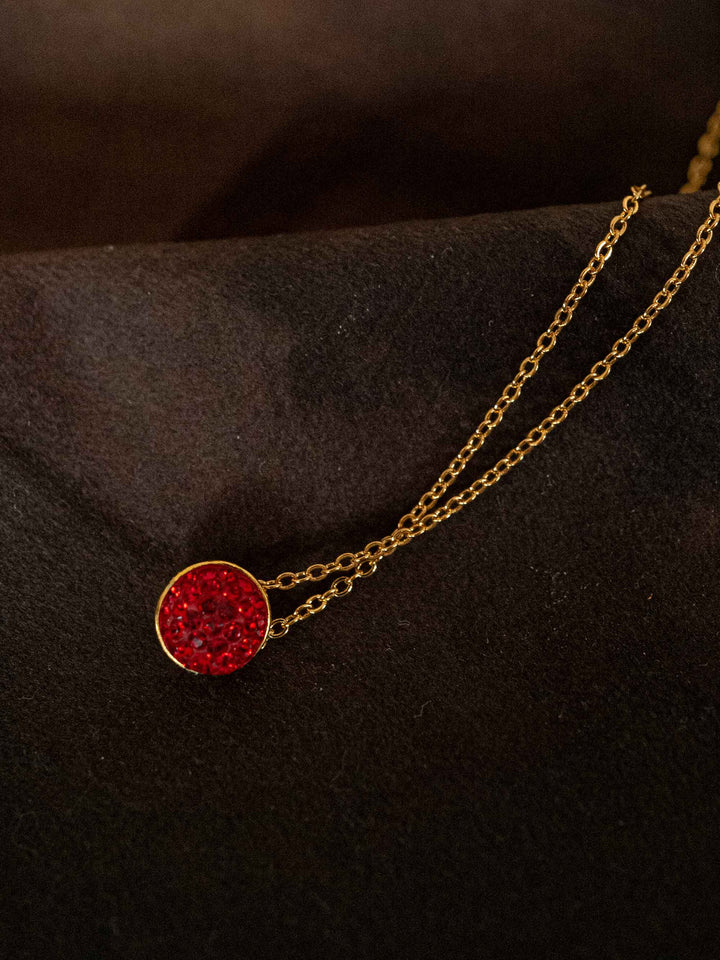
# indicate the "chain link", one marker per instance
pixel 708 147
pixel 426 514
pixel 318 601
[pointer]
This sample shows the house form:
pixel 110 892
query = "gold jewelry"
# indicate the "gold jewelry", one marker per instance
pixel 708 146
pixel 213 617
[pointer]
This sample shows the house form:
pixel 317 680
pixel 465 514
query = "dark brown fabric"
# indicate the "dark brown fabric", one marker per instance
pixel 146 122
pixel 504 744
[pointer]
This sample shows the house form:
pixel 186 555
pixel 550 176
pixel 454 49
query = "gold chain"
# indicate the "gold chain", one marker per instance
pixel 708 146
pixel 426 514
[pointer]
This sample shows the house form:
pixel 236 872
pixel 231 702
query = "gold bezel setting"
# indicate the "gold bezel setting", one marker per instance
pixel 182 573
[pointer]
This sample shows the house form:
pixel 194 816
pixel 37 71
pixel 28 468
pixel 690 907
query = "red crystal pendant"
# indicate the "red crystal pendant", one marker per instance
pixel 212 618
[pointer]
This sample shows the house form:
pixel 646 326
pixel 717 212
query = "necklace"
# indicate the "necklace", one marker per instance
pixel 708 147
pixel 214 616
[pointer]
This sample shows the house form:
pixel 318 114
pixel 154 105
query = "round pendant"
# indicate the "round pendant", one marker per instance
pixel 212 618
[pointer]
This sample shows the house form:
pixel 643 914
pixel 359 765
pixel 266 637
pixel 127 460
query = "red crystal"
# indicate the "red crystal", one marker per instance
pixel 213 618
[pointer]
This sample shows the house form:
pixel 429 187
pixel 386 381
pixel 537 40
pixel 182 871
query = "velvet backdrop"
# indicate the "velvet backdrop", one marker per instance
pixel 175 119
pixel 505 742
